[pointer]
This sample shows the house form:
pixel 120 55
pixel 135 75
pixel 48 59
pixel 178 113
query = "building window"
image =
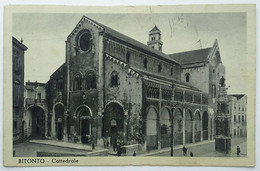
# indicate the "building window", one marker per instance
pixel 235 132
pixel 153 38
pixel 128 57
pixel 213 70
pixel 145 63
pixel 85 41
pixel 160 48
pixel 39 97
pixel 187 75
pixel 153 47
pixel 171 71
pixel 159 67
pixel 91 81
pixel 235 118
pixel 159 37
pixel 114 79
pixel 77 82
pixel 243 118
pixel 214 91
pixel 239 118
pixel 15 124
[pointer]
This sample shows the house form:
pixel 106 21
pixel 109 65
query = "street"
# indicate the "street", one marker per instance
pixel 208 149
pixel 204 149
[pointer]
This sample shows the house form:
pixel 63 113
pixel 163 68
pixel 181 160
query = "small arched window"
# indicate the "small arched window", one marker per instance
pixel 128 57
pixel 187 75
pixel 159 67
pixel 171 71
pixel 114 79
pixel 91 81
pixel 213 91
pixel 145 63
pixel 77 82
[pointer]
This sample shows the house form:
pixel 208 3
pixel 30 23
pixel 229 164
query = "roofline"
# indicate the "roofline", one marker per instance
pixel 19 43
pixel 145 51
pixel 78 25
pixel 58 69
pixel 103 29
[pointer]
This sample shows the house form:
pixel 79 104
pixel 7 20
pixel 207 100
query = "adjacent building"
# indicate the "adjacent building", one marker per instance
pixel 238 110
pixel 35 109
pixel 18 86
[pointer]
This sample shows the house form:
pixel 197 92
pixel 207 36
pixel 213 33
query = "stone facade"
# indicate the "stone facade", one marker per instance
pixel 113 90
pixel 238 110
pixel 35 110
pixel 18 87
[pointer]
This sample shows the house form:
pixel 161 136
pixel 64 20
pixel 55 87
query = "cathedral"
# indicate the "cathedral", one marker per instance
pixel 113 89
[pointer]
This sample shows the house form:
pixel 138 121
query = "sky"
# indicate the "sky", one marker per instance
pixel 45 35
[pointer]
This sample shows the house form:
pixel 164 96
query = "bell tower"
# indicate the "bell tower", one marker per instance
pixel 155 39
pixel 222 121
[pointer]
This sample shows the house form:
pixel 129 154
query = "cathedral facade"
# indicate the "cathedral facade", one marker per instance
pixel 114 89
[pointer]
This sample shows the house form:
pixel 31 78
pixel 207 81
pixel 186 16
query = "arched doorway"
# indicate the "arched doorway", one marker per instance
pixel 36 122
pixel 59 120
pixel 151 129
pixel 165 128
pixel 177 127
pixel 188 126
pixel 197 122
pixel 84 116
pixel 205 126
pixel 113 123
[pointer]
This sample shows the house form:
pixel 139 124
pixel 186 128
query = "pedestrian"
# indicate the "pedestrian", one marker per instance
pixel 107 144
pixel 134 154
pixel 114 147
pixel 191 154
pixel 238 151
pixel 184 149
pixel 93 146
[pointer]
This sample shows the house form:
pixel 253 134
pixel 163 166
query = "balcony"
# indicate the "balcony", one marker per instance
pixel 33 101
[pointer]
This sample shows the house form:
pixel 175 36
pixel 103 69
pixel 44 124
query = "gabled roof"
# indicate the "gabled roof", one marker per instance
pixel 115 34
pixel 155 29
pixel 238 96
pixel 190 57
pixel 22 46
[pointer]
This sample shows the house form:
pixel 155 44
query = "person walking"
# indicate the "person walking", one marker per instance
pixel 238 151
pixel 134 154
pixel 184 149
pixel 191 154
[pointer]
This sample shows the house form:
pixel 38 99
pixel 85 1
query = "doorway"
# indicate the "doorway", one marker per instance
pixel 59 131
pixel 113 134
pixel 85 132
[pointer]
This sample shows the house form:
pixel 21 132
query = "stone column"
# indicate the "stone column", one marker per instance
pixel 46 123
pixel 201 130
pixel 100 85
pixel 158 118
pixel 65 133
pixel 183 128
pixel 68 55
pixel 209 127
pixel 53 130
pixel 193 129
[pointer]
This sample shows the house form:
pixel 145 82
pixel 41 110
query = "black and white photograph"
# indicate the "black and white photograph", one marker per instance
pixel 171 84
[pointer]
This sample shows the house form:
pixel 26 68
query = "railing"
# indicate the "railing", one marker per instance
pixel 31 101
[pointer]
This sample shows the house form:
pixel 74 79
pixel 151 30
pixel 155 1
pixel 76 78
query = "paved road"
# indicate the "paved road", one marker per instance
pixel 208 150
pixel 27 149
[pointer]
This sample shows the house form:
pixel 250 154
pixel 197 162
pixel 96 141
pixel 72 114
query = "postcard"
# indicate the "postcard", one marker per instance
pixel 129 85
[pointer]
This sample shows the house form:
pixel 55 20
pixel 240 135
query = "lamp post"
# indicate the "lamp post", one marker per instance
pixel 172 110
